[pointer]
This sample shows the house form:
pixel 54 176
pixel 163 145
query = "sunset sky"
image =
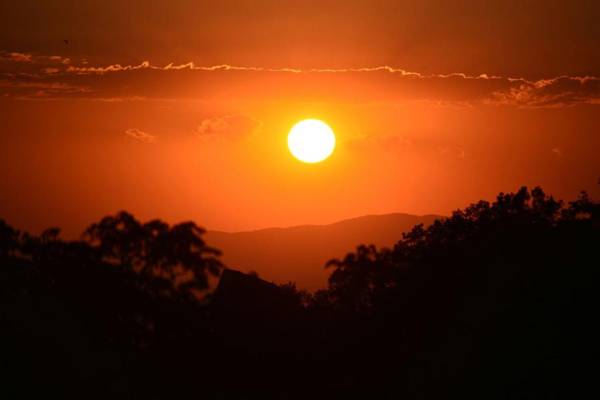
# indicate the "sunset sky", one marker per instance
pixel 180 110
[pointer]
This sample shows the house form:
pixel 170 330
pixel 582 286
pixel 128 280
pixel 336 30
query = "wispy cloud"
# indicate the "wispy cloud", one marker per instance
pixel 385 84
pixel 16 57
pixel 228 67
pixel 141 136
pixel 401 143
pixel 108 68
pixel 37 89
pixel 452 151
pixel 555 92
pixel 228 126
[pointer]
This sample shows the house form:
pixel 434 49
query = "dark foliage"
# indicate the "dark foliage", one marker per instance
pixel 497 301
pixel 494 301
pixel 96 308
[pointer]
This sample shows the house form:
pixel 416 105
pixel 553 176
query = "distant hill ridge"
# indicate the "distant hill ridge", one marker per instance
pixel 299 253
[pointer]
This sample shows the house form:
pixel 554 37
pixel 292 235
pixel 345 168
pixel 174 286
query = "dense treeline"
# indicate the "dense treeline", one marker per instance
pixel 497 301
pixel 79 311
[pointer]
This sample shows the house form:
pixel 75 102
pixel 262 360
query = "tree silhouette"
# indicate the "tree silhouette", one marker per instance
pixel 480 273
pixel 8 239
pixel 171 261
pixel 495 301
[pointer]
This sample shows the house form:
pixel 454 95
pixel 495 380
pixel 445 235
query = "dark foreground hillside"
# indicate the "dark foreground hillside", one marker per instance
pixel 497 301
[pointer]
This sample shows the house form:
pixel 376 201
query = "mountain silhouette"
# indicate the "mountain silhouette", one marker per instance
pixel 299 253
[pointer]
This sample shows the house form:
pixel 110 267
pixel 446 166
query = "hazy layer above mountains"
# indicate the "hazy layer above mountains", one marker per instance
pixel 298 254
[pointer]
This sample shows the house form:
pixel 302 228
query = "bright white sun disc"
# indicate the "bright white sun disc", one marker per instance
pixel 311 140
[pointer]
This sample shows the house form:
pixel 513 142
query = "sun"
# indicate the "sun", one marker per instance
pixel 311 141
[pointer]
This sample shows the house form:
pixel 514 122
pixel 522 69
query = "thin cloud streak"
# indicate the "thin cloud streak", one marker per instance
pixel 228 67
pixel 561 91
pixel 557 92
pixel 228 126
pixel 141 136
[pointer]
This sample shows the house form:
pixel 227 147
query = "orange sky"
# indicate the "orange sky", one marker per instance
pixel 181 110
